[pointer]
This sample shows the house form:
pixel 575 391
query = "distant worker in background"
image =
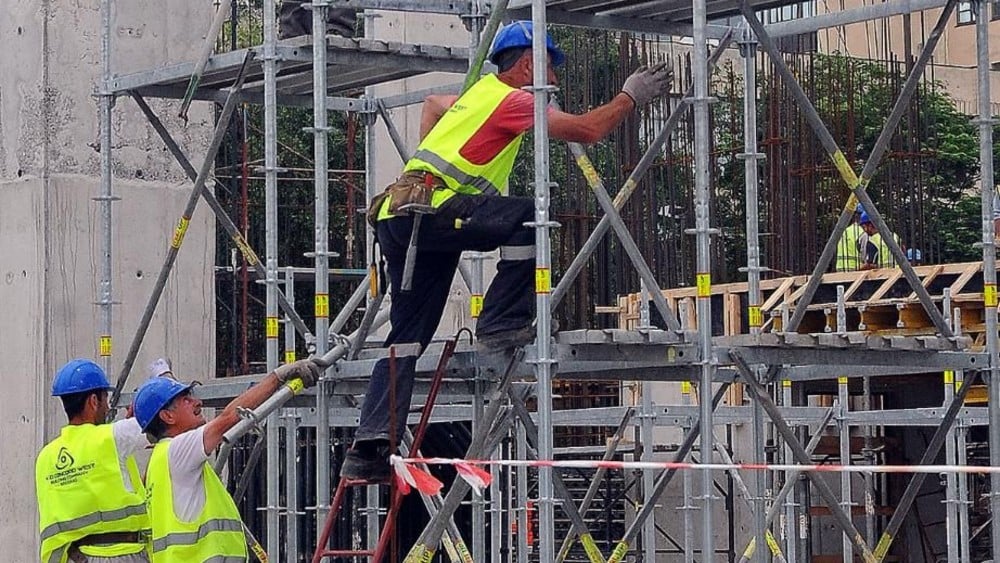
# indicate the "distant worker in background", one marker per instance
pixel 91 499
pixel 192 516
pixel 851 242
pixel 461 170
pixel 914 256
pixel 875 253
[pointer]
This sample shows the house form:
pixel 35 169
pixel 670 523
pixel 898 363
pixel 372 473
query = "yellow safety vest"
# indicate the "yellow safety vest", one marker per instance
pixel 81 492
pixel 216 535
pixel 885 258
pixel 849 258
pixel 440 152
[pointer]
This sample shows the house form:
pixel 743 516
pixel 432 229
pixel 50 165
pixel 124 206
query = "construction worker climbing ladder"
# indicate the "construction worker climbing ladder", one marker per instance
pixel 91 499
pixel 192 516
pixel 461 169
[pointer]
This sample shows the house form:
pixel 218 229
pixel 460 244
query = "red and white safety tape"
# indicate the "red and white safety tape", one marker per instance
pixel 472 472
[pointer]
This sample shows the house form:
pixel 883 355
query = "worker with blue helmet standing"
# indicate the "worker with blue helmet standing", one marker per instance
pixel 91 498
pixel 851 244
pixel 875 252
pixel 192 516
pixel 458 179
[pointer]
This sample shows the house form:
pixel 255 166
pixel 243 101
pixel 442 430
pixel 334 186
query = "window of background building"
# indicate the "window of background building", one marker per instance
pixel 965 14
pixel 994 10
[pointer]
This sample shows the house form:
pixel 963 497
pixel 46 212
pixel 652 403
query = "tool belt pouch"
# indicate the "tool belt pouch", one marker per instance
pixel 409 189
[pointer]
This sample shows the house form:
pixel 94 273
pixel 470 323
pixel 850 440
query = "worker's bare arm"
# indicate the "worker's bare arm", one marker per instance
pixel 250 399
pixel 435 106
pixel 592 126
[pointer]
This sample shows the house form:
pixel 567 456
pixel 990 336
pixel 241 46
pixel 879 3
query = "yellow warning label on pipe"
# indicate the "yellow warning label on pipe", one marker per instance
pixel 322 308
pixel 749 551
pixel 289 356
pixel 590 548
pixel 258 550
pixel 104 345
pixel 463 552
pixel 588 170
pixel 179 232
pixel 248 254
pixel 841 381
pixel 949 377
pixel 772 543
pixel 786 382
pixel 883 547
pixel 845 169
pixel 686 387
pixel 372 281
pixel 475 305
pixel 296 385
pixel 618 555
pixel 419 554
pixel 271 327
pixel 990 294
pixel 543 280
pixel 704 282
pixel 756 316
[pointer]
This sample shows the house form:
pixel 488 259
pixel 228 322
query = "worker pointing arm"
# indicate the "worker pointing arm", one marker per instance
pixel 458 180
pixel 192 516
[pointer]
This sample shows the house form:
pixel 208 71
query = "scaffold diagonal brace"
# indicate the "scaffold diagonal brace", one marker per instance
pixel 857 185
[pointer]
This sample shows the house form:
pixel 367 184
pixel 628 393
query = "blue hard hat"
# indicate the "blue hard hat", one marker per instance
pixel 78 376
pixel 864 218
pixel 859 208
pixel 518 34
pixel 153 395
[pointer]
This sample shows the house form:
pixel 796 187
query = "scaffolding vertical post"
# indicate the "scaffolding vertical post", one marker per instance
pixel 750 157
pixel 794 530
pixel 687 508
pixel 963 486
pixel 844 397
pixel 289 418
pixel 543 283
pixel 372 525
pixel 703 263
pixel 523 518
pixel 985 123
pixel 271 249
pixel 320 131
pixel 951 479
pixel 106 197
pixel 291 486
pixel 646 435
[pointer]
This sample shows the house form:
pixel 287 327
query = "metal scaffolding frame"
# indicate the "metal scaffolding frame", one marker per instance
pixel 297 72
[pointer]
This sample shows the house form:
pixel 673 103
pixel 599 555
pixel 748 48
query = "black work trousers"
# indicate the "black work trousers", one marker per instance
pixel 480 223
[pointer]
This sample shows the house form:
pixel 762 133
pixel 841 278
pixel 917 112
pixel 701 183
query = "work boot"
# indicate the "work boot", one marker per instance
pixel 509 339
pixel 367 460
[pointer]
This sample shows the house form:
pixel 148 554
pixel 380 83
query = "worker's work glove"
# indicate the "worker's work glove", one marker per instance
pixel 647 84
pixel 305 370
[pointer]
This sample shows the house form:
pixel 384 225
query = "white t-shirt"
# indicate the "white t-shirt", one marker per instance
pixel 130 440
pixel 186 457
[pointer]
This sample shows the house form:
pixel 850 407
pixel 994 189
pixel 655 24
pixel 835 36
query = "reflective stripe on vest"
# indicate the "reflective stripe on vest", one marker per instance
pixel 91 519
pixel 215 534
pixel 191 538
pixel 81 492
pixel 440 153
pixel 478 182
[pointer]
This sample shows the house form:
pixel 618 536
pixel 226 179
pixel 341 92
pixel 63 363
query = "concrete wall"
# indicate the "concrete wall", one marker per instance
pixel 50 244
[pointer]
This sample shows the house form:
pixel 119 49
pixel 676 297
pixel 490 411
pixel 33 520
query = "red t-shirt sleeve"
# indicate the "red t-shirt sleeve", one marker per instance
pixel 514 115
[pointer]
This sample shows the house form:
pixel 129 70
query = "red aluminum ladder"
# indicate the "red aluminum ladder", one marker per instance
pixel 378 554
